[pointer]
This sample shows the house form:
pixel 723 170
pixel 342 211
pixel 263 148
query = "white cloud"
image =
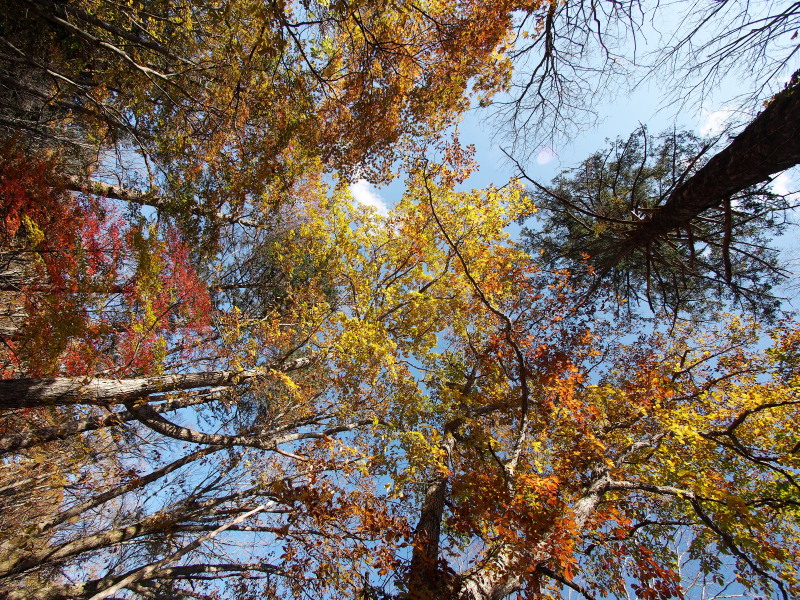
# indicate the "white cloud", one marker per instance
pixel 780 185
pixel 714 122
pixel 545 155
pixel 364 194
pixel 785 184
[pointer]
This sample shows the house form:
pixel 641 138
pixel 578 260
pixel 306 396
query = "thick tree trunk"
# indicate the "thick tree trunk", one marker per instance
pixel 768 145
pixel 64 391
pixel 492 583
pixel 425 579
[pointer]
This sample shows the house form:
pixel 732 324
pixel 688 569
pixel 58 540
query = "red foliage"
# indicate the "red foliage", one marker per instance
pixel 101 292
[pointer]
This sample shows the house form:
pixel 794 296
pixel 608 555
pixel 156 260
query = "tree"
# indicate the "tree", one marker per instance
pixel 226 106
pixel 584 45
pixel 565 64
pixel 452 367
pixel 626 212
pixel 100 292
pixel 350 405
pixel 195 501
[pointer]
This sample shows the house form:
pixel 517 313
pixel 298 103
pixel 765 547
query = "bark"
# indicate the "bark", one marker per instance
pixel 15 563
pixel 269 440
pixel 500 576
pixel 425 578
pixel 768 145
pixel 491 582
pixel 15 269
pixel 147 416
pixel 116 192
pixel 28 439
pixel 66 391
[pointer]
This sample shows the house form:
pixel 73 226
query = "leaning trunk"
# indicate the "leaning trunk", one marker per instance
pixel 64 391
pixel 768 145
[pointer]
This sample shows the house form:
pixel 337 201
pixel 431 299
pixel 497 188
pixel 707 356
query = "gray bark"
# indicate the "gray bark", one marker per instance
pixel 65 391
pixel 116 192
pixel 499 577
pixel 153 568
pixel 14 442
pixel 82 590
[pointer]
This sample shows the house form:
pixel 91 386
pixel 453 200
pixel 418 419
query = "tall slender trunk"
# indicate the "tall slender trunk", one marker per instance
pixel 65 391
pixel 14 442
pixel 768 145
pixel 153 200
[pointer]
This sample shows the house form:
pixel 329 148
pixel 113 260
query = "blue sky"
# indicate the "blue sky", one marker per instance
pixel 620 117
pixel 657 103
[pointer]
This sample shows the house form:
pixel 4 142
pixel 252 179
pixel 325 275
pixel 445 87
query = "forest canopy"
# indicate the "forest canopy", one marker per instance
pixel 224 377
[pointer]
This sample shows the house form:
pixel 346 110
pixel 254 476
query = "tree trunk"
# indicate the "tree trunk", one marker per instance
pixel 768 145
pixel 15 441
pixel 425 580
pixel 64 391
pixel 116 192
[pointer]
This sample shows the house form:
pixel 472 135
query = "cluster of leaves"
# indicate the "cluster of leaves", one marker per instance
pixel 590 212
pixel 331 403
pixel 425 350
pixel 100 293
pixel 228 104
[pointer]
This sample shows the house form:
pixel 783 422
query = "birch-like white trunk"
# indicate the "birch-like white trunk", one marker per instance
pixel 63 391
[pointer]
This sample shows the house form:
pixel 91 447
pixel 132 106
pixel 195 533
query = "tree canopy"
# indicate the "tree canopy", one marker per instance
pixel 223 377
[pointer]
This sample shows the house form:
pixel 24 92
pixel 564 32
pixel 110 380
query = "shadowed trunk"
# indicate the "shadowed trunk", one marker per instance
pixel 425 579
pixel 768 145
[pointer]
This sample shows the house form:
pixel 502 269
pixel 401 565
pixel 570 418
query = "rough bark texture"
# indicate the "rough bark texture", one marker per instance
pixel 492 582
pixel 62 391
pixel 425 579
pixel 768 145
